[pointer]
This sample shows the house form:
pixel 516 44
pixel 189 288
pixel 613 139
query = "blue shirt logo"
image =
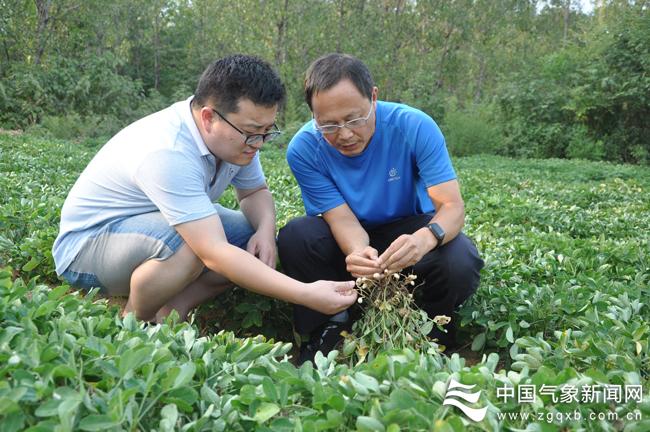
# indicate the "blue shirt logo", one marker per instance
pixel 392 175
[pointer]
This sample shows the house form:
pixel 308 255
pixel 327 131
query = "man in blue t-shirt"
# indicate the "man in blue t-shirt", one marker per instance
pixel 380 193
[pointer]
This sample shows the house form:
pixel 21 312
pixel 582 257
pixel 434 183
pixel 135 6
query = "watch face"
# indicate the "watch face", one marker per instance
pixel 437 231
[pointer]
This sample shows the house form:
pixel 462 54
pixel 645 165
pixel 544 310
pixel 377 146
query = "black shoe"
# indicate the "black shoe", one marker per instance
pixel 324 339
pixel 448 339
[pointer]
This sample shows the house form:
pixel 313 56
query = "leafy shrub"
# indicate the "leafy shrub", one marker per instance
pixel 581 146
pixel 471 131
pixel 75 127
pixel 641 154
pixel 152 103
pixel 536 120
pixel 69 126
pixel 590 101
pixel 88 86
pixel 24 97
pixel 615 100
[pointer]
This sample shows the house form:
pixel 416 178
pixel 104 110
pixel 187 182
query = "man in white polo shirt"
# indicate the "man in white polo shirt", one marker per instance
pixel 141 219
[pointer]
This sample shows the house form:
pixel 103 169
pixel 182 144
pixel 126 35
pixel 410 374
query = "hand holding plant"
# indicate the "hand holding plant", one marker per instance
pixel 405 251
pixel 364 262
pixel 329 297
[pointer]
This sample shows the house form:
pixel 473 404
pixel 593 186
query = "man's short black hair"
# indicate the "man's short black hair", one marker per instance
pixel 326 71
pixel 227 80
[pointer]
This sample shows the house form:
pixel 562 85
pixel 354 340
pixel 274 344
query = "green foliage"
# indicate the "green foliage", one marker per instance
pixel 71 363
pixel 35 176
pixel 586 101
pixel 580 146
pixel 247 314
pixel 563 300
pixel 74 127
pixel 556 235
pixel 569 84
pixel 615 100
pixel 80 92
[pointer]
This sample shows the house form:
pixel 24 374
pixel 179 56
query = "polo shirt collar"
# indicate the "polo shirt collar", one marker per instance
pixel 186 115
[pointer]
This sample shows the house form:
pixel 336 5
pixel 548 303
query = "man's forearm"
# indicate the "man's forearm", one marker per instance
pixel 350 238
pixel 259 209
pixel 346 229
pixel 246 271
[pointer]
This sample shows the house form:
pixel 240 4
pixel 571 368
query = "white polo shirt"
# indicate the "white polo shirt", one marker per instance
pixel 159 163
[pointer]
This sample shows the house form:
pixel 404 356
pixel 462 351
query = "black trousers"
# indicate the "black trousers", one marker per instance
pixel 308 252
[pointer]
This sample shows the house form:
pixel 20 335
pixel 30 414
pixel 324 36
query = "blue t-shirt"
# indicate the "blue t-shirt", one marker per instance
pixel 387 181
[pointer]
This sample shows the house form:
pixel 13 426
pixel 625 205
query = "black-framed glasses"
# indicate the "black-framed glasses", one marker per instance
pixel 252 139
pixel 352 124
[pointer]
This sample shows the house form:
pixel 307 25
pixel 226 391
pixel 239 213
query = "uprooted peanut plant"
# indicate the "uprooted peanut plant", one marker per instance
pixel 391 319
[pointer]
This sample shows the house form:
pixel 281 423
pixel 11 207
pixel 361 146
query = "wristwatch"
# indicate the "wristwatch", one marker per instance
pixel 438 233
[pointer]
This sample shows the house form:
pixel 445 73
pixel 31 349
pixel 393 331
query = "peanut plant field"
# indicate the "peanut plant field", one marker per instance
pixel 555 339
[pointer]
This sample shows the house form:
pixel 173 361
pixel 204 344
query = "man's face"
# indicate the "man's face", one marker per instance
pixel 340 104
pixel 227 143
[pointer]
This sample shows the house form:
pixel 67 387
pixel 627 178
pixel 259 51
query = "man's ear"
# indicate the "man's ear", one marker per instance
pixel 375 94
pixel 207 117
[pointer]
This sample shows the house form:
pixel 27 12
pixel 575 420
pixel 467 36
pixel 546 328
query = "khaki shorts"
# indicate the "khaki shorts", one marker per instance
pixel 108 259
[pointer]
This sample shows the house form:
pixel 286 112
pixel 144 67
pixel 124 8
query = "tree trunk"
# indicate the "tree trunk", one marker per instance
pixel 479 80
pixel 600 11
pixel 156 50
pixel 362 7
pixel 6 48
pixel 43 11
pixel 281 47
pixel 341 25
pixel 281 44
pixel 398 32
pixel 446 48
pixel 566 15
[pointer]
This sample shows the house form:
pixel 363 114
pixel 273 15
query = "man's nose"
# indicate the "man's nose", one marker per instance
pixel 256 145
pixel 345 133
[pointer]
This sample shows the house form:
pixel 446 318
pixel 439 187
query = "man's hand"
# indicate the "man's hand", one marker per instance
pixel 364 262
pixel 257 206
pixel 262 245
pixel 329 297
pixel 407 250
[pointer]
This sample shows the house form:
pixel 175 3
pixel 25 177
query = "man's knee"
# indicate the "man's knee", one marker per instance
pixel 464 265
pixel 184 265
pixel 454 268
pixel 190 262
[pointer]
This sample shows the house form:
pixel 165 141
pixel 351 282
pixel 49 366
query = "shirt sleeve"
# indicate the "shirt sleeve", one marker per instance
pixel 319 192
pixel 430 151
pixel 175 185
pixel 250 176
